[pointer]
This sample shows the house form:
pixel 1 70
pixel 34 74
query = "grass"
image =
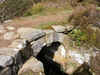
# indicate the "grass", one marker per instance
pixel 79 37
pixel 42 9
pixel 82 18
pixel 37 8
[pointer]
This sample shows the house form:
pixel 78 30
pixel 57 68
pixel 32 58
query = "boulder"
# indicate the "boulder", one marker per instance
pixel 10 36
pixel 6 61
pixel 60 56
pixel 62 29
pixel 6 71
pixel 10 58
pixel 70 58
pixel 32 67
pixel 59 28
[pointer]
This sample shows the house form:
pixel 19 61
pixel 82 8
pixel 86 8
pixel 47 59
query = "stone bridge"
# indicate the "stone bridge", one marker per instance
pixel 43 52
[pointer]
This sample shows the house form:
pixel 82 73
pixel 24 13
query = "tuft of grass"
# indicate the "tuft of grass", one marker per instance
pixel 78 36
pixel 45 25
pixel 36 9
pixel 89 37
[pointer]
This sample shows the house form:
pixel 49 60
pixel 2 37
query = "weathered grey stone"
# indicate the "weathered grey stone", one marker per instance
pixel 34 36
pixel 7 21
pixel 55 37
pixel 71 60
pixel 66 41
pixel 10 28
pixel 60 55
pixel 18 44
pixel 60 37
pixel 69 27
pixel 48 31
pixel 30 34
pixel 59 28
pixel 6 61
pixel 10 36
pixel 32 67
pixel 19 51
pixel 8 51
pixel 23 47
pixel 6 71
pixel 38 45
pixel 16 55
pixel 52 37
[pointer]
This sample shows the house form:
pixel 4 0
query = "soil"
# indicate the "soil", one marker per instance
pixel 29 22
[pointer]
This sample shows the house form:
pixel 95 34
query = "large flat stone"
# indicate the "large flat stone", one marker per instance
pixel 59 28
pixel 62 29
pixel 38 45
pixel 30 34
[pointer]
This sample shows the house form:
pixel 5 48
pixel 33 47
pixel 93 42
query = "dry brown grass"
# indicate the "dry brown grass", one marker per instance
pixel 75 3
pixel 85 17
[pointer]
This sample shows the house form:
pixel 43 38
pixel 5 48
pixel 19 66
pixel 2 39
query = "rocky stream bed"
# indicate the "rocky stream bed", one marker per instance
pixel 45 52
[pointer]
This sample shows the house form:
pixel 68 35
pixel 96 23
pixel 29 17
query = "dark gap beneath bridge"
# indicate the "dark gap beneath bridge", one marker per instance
pixel 46 57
